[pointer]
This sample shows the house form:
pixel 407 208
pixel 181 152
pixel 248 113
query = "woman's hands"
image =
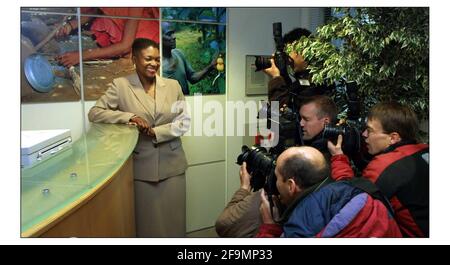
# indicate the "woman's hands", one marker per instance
pixel 143 126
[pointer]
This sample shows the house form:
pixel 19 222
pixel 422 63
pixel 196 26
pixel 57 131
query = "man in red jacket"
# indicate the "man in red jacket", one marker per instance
pixel 400 167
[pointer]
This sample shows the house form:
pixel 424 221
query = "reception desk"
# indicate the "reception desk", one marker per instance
pixel 86 191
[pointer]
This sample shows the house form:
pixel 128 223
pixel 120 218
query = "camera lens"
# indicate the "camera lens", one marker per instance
pixel 262 62
pixel 332 132
pixel 261 166
pixel 351 137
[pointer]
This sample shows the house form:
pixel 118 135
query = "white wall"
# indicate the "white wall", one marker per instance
pixel 205 176
pixel 45 116
pixel 311 18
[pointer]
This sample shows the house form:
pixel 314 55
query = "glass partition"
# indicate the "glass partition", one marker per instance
pixel 52 186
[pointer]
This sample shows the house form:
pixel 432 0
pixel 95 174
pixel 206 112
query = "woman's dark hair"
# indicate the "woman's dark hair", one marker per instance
pixel 142 43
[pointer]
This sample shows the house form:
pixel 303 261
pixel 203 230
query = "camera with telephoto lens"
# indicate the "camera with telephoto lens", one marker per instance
pixel 261 165
pixel 351 136
pixel 287 116
pixel 280 57
pixel 262 62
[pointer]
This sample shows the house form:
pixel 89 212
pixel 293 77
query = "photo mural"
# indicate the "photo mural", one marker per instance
pixel 194 48
pixel 50 60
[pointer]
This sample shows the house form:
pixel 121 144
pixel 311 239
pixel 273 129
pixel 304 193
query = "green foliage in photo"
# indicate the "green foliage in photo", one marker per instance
pixel 198 43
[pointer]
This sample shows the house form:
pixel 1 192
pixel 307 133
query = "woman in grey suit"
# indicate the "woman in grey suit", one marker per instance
pixel 156 105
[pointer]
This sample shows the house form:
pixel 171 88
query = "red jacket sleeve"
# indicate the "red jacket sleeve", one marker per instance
pixel 269 230
pixel 340 168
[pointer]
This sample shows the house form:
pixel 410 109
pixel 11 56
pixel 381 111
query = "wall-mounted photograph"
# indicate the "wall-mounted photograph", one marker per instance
pixel 194 52
pixel 197 14
pixel 50 50
pixel 43 79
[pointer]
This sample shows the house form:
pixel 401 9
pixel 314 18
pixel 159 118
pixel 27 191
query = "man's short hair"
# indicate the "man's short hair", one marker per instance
pixel 325 106
pixel 395 117
pixel 142 43
pixel 303 171
pixel 295 34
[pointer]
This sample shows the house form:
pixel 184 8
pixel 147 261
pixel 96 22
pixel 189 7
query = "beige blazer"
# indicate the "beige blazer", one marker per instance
pixel 154 159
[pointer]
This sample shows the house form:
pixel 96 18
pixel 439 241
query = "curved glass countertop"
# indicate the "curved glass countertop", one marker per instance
pixel 50 187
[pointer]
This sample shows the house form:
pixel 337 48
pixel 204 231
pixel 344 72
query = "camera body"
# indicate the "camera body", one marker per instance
pixel 287 116
pixel 288 130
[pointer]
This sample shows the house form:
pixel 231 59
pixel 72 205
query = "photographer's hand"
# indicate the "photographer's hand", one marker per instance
pixel 272 71
pixel 336 149
pixel 245 177
pixel 264 209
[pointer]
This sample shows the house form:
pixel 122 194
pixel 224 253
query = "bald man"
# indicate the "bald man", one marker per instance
pixel 318 207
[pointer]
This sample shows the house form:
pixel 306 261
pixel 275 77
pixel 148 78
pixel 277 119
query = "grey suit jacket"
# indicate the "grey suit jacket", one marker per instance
pixel 154 159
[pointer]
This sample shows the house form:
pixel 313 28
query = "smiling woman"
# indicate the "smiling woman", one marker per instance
pixel 145 99
pixel 147 63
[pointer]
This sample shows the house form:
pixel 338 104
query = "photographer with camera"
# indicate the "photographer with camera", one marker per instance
pixel 400 167
pixel 241 218
pixel 280 87
pixel 318 207
pixel 317 112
